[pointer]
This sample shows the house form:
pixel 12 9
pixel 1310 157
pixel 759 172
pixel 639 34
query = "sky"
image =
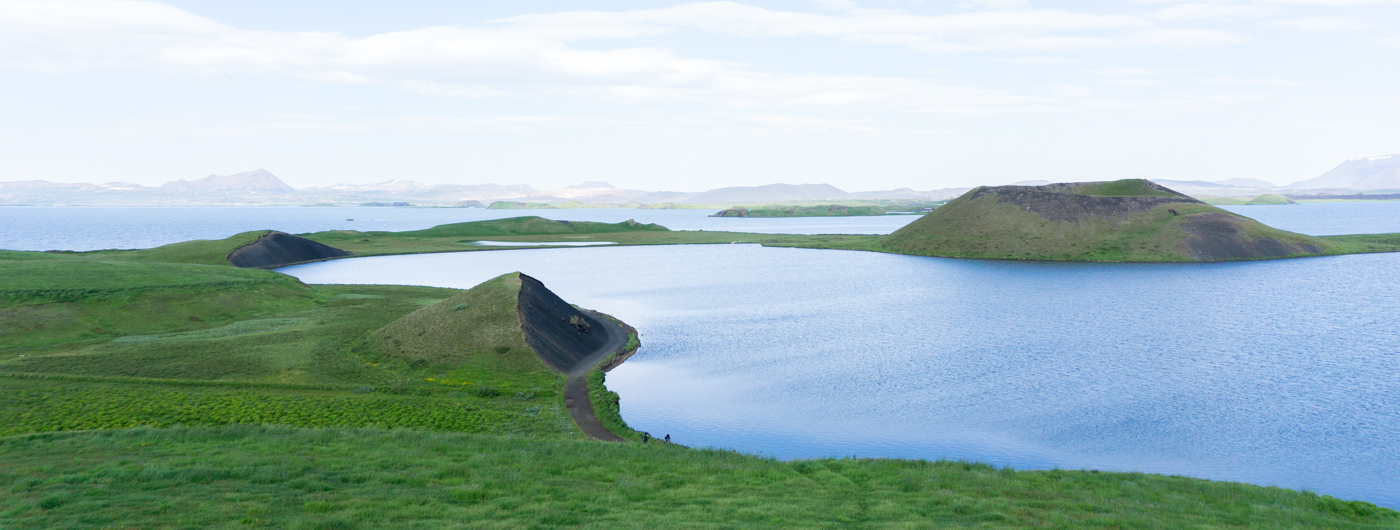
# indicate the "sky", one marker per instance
pixel 863 95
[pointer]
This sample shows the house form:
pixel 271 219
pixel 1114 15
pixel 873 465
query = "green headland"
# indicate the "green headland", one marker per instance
pixel 168 387
pixel 1127 220
pixel 1267 199
pixel 821 210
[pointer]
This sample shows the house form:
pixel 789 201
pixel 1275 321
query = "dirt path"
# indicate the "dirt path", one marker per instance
pixel 576 386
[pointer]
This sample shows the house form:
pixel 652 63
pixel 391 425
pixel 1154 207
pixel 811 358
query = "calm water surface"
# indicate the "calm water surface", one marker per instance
pixel 97 227
pixel 1278 373
pixel 1328 218
pixel 1282 372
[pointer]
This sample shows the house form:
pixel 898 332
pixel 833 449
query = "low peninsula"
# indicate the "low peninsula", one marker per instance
pixel 1120 221
pixel 825 210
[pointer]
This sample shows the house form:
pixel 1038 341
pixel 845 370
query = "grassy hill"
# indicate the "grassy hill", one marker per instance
pixel 252 476
pixel 88 342
pixel 472 339
pixel 1126 220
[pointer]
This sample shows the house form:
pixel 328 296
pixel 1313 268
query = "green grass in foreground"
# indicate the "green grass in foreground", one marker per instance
pixel 279 477
pixel 607 406
pixel 167 344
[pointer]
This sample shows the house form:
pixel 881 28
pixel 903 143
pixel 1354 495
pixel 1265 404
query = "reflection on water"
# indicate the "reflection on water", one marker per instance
pixel 1278 372
pixel 540 244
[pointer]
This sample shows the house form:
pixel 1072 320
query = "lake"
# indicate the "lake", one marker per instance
pixel 103 227
pixel 1274 372
pixel 1278 372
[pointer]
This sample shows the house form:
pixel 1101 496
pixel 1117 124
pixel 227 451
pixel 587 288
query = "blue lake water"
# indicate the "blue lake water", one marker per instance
pixel 97 227
pixel 1328 218
pixel 1279 373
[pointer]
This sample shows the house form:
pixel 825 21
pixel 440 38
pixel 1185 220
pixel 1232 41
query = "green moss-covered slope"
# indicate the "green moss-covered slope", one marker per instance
pixel 256 476
pixel 526 226
pixel 478 330
pixel 201 251
pixel 256 249
pixel 1127 220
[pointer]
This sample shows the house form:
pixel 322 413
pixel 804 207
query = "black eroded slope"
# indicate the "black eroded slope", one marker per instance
pixel 548 323
pixel 276 249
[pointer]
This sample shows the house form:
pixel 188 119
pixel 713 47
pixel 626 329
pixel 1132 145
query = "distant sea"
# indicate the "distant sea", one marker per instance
pixel 104 227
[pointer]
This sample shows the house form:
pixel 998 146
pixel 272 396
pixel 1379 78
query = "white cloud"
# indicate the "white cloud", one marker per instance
pixel 1001 4
pixel 1129 71
pixel 1183 38
pixel 1072 91
pixel 1037 60
pixel 1132 82
pixel 1211 11
pixel 539 54
pixel 1238 81
pixel 1319 24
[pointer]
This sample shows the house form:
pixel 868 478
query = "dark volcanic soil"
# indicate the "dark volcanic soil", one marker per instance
pixel 1059 206
pixel 562 335
pixel 1220 236
pixel 276 249
pixel 572 342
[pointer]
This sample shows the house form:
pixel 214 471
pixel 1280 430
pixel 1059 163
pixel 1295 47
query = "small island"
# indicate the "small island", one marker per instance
pixel 1132 220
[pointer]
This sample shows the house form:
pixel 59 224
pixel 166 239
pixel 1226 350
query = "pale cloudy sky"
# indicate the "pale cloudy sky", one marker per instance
pixel 863 95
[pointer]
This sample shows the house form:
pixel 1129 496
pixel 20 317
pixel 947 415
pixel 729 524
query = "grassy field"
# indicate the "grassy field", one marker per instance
pixel 165 388
pixel 281 477
pixel 89 341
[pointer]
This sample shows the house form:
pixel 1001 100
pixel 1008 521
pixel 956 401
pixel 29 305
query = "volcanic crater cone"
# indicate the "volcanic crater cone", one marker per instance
pixel 277 249
pixel 510 323
pixel 1124 220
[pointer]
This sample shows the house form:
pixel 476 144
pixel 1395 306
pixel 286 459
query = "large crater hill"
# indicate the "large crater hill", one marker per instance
pixel 1124 220
pixel 509 324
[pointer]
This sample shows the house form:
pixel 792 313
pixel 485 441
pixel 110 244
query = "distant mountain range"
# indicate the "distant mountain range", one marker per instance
pixel 262 187
pixel 1359 175
pixel 1377 174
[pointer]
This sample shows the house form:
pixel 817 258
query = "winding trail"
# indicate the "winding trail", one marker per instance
pixel 576 386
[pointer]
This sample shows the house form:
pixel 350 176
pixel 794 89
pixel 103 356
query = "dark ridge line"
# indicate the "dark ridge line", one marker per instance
pixel 279 249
